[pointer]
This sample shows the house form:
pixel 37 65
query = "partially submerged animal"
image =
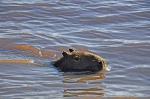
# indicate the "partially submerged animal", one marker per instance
pixel 80 61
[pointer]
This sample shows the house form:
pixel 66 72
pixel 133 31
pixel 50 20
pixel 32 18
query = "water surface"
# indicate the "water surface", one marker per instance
pixel 35 32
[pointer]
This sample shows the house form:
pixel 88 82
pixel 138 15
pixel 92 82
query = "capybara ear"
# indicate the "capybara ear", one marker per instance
pixel 71 50
pixel 65 54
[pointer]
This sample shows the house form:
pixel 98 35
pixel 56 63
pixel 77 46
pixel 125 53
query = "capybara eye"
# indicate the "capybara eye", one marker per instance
pixel 99 63
pixel 76 58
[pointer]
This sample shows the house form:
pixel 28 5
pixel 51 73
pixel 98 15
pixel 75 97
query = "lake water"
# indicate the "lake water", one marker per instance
pixel 33 33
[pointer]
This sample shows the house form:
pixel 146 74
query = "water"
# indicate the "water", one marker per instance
pixel 34 33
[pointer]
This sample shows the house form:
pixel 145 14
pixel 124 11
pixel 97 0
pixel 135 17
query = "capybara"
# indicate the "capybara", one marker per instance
pixel 79 61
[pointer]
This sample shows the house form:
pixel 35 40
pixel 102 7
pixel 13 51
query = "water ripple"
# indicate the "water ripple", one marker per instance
pixel 35 30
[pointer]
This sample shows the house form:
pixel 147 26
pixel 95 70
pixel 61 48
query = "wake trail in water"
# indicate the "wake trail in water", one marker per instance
pixel 25 54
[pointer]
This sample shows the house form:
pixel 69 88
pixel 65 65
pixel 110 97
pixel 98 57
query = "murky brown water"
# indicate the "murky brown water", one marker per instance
pixel 35 32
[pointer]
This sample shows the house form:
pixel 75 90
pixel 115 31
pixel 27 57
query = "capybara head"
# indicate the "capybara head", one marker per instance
pixel 80 61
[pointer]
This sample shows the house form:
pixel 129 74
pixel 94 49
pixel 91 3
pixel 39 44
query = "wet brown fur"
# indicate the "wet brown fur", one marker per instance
pixel 80 61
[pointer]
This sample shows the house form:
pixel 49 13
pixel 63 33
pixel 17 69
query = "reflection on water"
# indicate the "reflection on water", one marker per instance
pixel 33 33
pixel 83 92
pixel 92 79
pixel 84 78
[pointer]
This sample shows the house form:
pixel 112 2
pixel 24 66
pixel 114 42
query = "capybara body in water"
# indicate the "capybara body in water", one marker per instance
pixel 79 61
